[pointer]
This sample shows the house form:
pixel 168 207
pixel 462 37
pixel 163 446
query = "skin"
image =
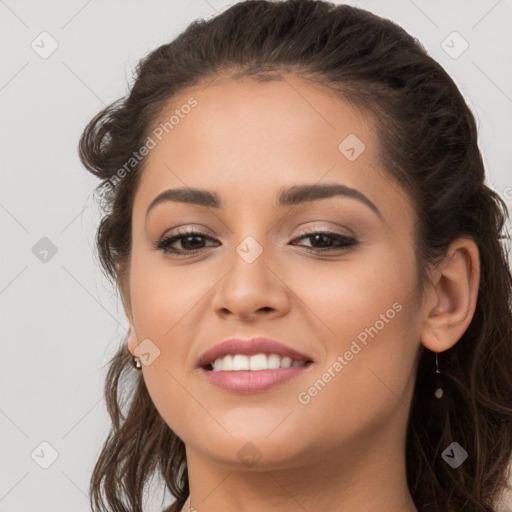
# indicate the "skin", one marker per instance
pixel 345 449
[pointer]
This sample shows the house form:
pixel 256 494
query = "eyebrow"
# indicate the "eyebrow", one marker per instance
pixel 288 197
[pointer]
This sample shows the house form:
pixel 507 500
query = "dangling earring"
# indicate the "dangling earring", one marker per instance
pixel 438 382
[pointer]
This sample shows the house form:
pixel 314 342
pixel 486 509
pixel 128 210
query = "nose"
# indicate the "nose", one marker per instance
pixel 252 290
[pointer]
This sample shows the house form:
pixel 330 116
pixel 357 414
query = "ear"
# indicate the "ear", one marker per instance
pixel 452 298
pixel 132 340
pixel 124 289
pixel 132 333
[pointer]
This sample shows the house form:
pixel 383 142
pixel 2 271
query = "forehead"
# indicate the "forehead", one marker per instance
pixel 247 139
pixel 257 119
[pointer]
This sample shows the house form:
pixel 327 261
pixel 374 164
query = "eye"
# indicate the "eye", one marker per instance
pixel 193 242
pixel 189 240
pixel 322 241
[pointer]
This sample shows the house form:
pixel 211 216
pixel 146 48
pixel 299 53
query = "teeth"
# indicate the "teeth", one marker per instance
pixel 286 362
pixel 257 362
pixel 240 362
pixel 273 361
pixel 254 363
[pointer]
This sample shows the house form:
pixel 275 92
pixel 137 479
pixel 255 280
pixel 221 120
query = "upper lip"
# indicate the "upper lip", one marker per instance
pixel 249 347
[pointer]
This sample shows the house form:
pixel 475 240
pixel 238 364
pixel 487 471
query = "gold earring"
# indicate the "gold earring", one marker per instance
pixel 137 362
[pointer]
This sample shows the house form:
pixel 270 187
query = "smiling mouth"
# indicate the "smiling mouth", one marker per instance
pixel 255 363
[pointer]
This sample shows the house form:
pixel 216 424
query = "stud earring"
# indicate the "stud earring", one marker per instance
pixel 137 362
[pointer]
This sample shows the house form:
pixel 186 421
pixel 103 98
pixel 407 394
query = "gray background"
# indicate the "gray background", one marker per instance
pixel 61 320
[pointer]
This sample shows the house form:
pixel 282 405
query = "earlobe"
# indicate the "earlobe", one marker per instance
pixel 452 296
pixel 132 340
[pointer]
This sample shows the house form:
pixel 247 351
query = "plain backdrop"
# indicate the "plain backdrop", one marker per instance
pixel 61 319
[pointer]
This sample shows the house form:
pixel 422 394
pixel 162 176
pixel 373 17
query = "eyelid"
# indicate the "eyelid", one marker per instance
pixel 322 229
pixel 185 230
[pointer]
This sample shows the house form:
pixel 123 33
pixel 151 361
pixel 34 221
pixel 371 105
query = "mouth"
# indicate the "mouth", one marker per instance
pixel 252 366
pixel 254 363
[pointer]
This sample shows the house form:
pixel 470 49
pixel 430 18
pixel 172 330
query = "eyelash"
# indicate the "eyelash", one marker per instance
pixel 346 241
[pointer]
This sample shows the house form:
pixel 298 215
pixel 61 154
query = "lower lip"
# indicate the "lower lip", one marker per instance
pixel 246 381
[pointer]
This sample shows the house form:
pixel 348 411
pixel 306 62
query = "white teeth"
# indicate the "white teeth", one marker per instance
pixel 257 362
pixel 273 361
pixel 254 363
pixel 240 362
pixel 227 363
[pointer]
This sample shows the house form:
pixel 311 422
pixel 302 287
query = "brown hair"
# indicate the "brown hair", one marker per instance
pixel 428 139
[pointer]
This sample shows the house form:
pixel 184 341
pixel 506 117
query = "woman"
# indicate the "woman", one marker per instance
pixel 311 266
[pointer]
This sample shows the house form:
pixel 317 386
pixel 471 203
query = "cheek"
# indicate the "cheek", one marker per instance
pixel 164 301
pixel 343 298
pixel 161 295
pixel 370 334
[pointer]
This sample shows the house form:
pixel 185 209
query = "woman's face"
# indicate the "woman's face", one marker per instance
pixel 255 273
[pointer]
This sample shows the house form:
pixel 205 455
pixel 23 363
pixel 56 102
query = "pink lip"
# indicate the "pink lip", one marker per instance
pixel 252 381
pixel 250 347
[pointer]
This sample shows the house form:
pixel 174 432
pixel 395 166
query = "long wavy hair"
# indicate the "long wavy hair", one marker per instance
pixel 428 140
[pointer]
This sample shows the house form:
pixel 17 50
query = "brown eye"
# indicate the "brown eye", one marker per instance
pixel 191 242
pixel 322 241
